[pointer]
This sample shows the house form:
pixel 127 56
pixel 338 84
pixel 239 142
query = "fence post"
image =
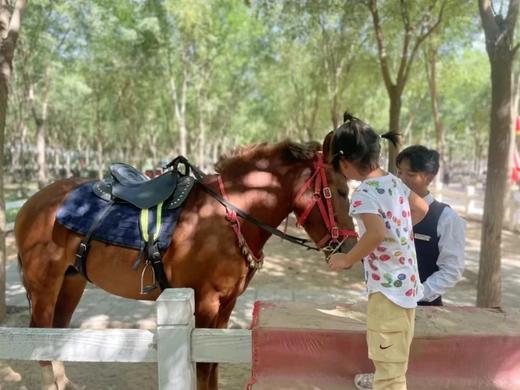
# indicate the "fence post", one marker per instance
pixel 514 212
pixel 175 322
pixel 469 199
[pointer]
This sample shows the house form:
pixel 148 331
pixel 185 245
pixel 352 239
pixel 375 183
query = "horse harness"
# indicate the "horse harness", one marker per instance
pixel 127 184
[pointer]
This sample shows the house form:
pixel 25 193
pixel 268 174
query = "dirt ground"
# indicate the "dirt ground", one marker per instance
pixel 287 268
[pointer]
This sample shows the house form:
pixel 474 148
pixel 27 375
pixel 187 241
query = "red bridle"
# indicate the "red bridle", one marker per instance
pixel 321 187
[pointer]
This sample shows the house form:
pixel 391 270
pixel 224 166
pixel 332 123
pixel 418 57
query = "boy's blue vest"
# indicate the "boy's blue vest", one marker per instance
pixel 427 243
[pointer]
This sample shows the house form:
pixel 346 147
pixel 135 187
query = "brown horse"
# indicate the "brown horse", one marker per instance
pixel 266 181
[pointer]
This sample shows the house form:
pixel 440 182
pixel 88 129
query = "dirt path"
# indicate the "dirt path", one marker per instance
pixel 289 273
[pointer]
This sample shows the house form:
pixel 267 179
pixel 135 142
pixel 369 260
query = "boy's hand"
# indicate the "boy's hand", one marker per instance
pixel 339 261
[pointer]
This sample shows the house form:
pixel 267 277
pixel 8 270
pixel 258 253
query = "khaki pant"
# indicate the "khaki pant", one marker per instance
pixel 390 330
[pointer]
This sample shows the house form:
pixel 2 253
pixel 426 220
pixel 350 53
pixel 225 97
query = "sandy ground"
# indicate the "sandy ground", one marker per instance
pixel 289 273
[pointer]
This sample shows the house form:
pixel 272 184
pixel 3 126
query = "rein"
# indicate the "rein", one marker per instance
pixel 230 206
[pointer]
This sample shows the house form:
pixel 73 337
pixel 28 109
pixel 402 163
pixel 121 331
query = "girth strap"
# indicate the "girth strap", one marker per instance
pixel 150 236
pixel 84 247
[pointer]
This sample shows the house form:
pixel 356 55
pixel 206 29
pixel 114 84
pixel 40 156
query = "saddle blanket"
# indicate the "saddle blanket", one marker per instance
pixel 120 226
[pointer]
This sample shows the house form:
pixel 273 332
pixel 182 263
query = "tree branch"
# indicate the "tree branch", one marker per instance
pixel 383 60
pixel 488 21
pixel 421 38
pixel 406 44
pixel 515 49
pixel 512 16
pixel 16 22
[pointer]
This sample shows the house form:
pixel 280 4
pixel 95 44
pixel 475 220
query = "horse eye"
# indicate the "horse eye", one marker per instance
pixel 342 193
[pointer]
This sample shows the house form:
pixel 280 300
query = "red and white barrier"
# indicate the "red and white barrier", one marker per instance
pixel 299 346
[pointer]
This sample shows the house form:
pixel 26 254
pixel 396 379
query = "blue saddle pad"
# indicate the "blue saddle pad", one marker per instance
pixel 119 227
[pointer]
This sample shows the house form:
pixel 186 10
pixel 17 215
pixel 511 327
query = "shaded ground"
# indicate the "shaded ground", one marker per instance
pixel 290 273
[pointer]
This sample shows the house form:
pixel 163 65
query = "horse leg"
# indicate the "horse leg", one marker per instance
pixel 43 273
pixel 70 294
pixel 207 312
pixel 207 373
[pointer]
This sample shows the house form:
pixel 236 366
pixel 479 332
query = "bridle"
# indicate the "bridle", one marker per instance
pixel 335 237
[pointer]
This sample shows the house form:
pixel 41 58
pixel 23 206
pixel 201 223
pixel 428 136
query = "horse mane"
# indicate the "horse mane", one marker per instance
pixel 290 151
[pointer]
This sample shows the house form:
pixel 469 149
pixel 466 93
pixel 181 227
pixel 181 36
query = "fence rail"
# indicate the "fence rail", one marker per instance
pixel 176 345
pixel 469 202
pixel 119 345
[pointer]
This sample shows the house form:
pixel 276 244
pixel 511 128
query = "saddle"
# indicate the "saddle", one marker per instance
pixel 126 184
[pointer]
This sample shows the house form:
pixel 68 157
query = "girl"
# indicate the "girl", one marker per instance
pixel 385 210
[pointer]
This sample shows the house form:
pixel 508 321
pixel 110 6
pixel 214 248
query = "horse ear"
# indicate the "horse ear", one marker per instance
pixel 326 146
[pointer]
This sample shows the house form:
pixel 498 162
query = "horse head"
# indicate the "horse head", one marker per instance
pixel 321 203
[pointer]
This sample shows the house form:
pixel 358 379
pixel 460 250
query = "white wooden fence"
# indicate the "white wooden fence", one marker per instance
pixel 175 346
pixel 470 204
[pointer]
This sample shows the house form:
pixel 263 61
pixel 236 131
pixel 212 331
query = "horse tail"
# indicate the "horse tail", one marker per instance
pixel 20 271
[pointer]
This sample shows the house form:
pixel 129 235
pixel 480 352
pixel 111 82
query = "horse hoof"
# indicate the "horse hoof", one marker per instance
pixel 7 374
pixel 53 386
pixel 68 385
pixel 64 383
pixel 48 381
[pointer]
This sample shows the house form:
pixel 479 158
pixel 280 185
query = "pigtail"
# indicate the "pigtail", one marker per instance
pixel 347 117
pixel 392 137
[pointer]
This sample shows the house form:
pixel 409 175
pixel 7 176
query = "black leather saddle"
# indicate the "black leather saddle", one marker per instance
pixel 127 184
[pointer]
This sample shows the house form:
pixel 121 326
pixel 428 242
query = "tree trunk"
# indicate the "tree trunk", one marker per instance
pixel 499 34
pixel 179 103
pixel 41 121
pixel 201 160
pixel 99 158
pixel 153 147
pixel 9 27
pixel 23 166
pixel 395 127
pixel 201 150
pixel 4 90
pixel 68 169
pixel 215 151
pixel 515 110
pixel 431 73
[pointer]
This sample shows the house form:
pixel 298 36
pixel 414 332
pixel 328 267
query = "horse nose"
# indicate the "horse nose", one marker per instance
pixel 348 244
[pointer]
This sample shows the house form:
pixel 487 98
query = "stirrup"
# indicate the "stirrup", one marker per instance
pixel 150 287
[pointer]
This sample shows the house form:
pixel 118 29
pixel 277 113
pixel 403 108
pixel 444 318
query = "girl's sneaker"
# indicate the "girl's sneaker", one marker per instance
pixel 364 381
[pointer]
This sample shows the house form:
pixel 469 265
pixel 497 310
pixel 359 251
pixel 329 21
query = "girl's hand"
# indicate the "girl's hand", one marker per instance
pixel 339 261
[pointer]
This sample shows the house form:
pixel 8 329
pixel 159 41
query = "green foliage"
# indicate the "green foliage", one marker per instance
pixel 253 72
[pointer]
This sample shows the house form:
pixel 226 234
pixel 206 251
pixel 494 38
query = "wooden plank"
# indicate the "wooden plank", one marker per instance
pixel 175 306
pixel 221 345
pixel 175 323
pixel 118 345
pixel 78 345
pixel 176 369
